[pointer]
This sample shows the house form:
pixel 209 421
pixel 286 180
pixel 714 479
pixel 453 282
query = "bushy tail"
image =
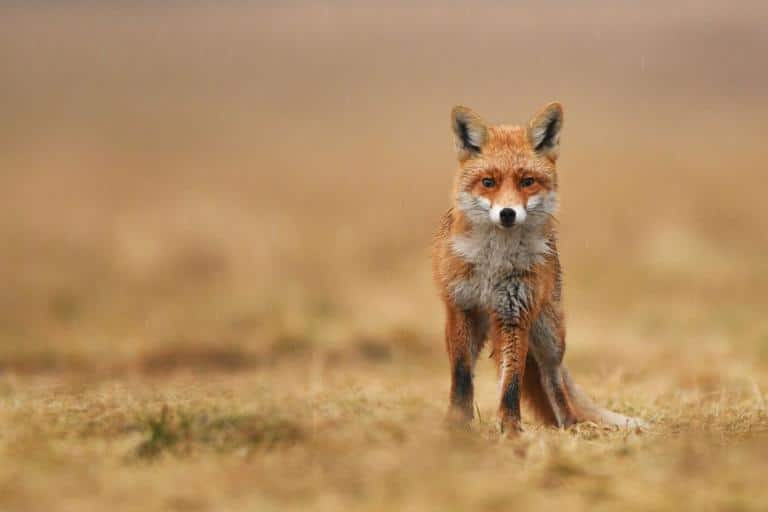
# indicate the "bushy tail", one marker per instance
pixel 586 410
pixel 534 394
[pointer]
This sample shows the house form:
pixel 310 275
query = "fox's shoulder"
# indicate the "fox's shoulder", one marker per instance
pixel 447 266
pixel 446 223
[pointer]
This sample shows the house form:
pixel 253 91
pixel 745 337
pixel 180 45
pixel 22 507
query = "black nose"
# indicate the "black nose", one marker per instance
pixel 507 216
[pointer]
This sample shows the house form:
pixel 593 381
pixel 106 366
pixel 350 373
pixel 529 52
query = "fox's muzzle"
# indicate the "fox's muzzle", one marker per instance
pixel 507 216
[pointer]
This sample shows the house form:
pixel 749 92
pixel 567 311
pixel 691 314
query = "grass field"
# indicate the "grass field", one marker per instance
pixel 215 286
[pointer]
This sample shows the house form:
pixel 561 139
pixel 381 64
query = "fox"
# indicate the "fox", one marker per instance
pixel 497 268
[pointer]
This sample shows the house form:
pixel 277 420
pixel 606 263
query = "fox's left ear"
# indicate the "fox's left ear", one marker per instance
pixel 544 130
pixel 470 130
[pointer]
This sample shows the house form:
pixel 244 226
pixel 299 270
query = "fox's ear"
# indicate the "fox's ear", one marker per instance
pixel 544 130
pixel 470 130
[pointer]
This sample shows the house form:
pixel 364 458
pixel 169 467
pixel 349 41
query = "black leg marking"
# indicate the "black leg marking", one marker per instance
pixel 510 400
pixel 462 384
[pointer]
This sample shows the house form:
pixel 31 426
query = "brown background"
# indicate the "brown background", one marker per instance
pixel 249 190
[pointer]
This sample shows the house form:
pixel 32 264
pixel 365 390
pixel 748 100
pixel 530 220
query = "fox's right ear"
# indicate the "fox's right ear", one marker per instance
pixel 470 130
pixel 544 130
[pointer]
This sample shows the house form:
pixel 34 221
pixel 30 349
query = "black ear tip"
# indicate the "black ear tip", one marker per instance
pixel 469 128
pixel 460 113
pixel 545 127
pixel 554 110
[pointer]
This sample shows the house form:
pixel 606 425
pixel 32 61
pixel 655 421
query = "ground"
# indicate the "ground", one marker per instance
pixel 364 431
pixel 308 422
pixel 216 289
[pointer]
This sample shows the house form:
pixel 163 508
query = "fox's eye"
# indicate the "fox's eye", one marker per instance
pixel 527 182
pixel 489 182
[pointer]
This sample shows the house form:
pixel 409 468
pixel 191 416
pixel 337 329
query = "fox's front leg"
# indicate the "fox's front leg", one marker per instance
pixel 511 349
pixel 465 332
pixel 515 304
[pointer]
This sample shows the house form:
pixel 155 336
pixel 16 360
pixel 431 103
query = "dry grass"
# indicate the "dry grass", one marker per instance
pixel 364 437
pixel 215 279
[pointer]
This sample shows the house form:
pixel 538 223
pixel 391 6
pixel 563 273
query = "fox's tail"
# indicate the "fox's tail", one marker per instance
pixel 586 410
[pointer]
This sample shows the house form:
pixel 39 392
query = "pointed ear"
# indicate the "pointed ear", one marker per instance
pixel 470 130
pixel 544 130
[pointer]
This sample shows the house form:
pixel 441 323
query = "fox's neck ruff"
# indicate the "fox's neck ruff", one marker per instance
pixel 496 254
pixel 518 248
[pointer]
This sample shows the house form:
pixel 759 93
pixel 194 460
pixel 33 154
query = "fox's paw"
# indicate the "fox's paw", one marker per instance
pixel 510 428
pixel 458 419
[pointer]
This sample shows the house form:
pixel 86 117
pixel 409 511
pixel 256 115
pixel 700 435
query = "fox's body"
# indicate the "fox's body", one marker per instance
pixel 496 264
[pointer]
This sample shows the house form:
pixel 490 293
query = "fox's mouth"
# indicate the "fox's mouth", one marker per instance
pixel 507 227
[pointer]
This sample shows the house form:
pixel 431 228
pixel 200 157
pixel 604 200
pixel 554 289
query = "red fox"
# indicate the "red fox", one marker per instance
pixel 497 268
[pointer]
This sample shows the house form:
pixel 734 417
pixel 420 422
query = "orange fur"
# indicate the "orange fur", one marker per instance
pixel 501 278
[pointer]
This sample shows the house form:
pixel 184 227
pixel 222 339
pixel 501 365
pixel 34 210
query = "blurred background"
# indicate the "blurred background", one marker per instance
pixel 190 185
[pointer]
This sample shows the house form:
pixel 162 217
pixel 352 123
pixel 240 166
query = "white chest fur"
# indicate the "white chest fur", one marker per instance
pixel 495 254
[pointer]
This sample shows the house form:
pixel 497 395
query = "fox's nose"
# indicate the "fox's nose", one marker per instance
pixel 507 217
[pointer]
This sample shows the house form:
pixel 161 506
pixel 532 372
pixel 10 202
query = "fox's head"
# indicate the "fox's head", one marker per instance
pixel 507 174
